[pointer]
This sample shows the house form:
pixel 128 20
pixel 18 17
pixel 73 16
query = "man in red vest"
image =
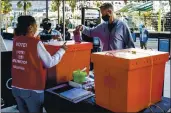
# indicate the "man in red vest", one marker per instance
pixel 29 62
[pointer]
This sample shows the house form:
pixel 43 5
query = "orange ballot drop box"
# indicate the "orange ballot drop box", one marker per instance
pixel 129 80
pixel 76 57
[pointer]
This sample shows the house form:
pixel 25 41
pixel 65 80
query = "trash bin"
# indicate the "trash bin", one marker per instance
pixel 133 37
pixel 128 80
pixel 164 45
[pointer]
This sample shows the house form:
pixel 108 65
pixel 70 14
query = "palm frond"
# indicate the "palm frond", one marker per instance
pixel 28 5
pixel 19 4
pixel 55 4
pixel 72 4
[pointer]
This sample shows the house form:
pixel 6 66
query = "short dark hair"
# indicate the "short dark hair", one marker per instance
pixel 23 24
pixel 45 20
pixel 107 6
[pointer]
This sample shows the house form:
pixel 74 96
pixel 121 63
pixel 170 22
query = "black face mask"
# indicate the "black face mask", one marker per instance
pixel 47 26
pixel 106 18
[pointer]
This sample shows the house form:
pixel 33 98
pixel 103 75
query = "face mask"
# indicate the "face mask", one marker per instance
pixel 47 26
pixel 105 18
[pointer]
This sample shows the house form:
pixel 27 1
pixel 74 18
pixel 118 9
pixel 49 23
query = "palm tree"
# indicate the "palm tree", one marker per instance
pixel 55 7
pixel 6 7
pixel 72 4
pixel 98 3
pixel 25 5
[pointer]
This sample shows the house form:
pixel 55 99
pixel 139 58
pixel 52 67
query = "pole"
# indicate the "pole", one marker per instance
pixel 47 8
pixel 170 32
pixel 159 21
pixel 2 44
pixel 83 15
pixel 0 18
pixel 64 20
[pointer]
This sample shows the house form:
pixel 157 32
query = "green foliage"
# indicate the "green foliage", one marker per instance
pixel 19 4
pixel 6 6
pixel 98 3
pixel 25 4
pixel 11 18
pixel 61 20
pixel 76 17
pixel 28 5
pixel 55 5
pixel 72 4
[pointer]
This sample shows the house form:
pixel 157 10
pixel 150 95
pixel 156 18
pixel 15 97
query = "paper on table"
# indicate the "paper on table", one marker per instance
pixel 75 93
pixel 138 53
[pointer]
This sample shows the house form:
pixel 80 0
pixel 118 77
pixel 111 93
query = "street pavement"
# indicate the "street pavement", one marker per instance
pixel 151 44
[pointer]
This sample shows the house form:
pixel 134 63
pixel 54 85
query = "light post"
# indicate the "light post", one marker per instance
pixel 47 8
pixel 0 18
pixel 170 27
pixel 64 20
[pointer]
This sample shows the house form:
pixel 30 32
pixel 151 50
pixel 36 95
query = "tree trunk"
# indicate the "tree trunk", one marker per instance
pixel 6 27
pixel 25 12
pixel 125 1
pixel 6 23
pixel 58 15
pixel 145 21
pixel 139 17
pixel 25 9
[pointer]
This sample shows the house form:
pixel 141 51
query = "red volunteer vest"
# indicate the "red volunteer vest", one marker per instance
pixel 27 68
